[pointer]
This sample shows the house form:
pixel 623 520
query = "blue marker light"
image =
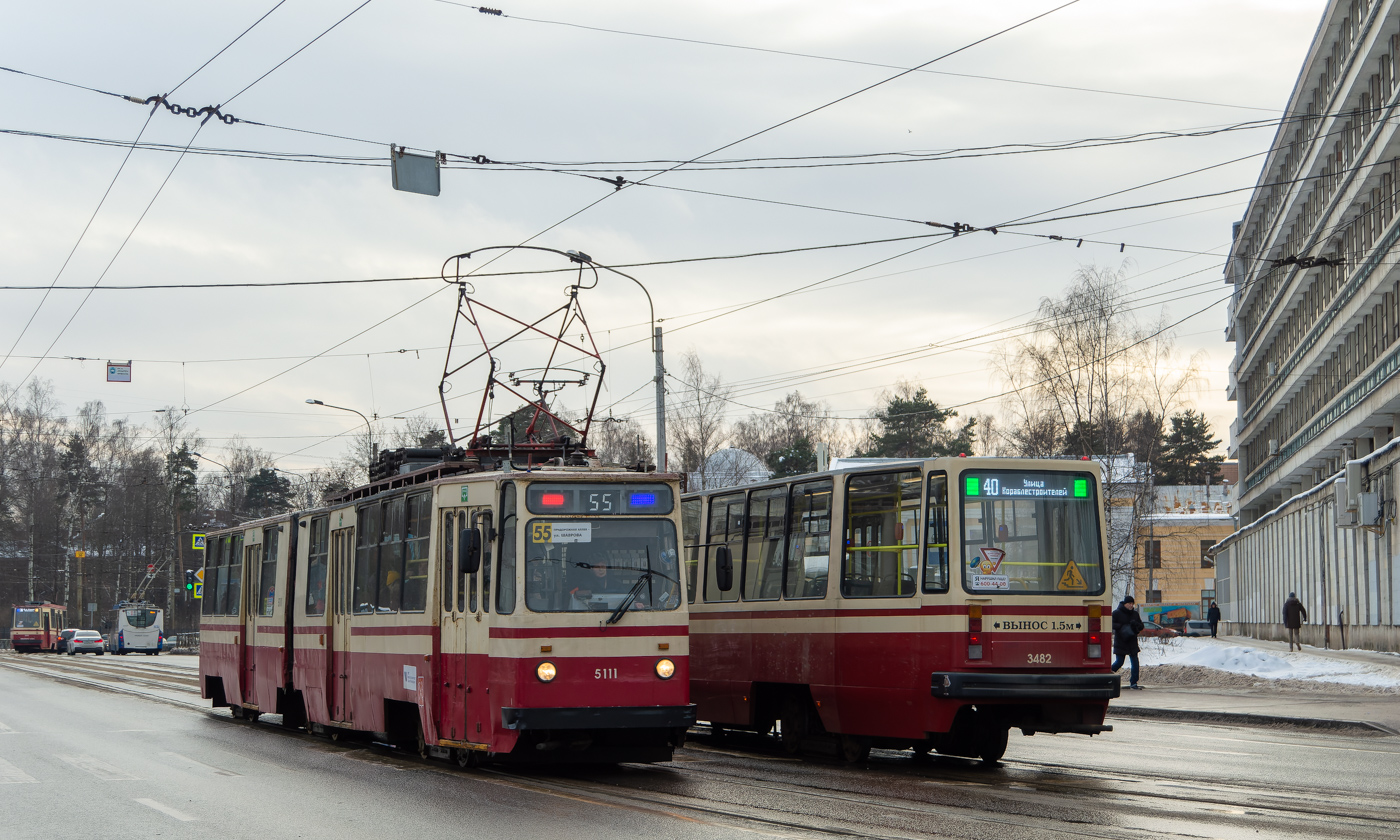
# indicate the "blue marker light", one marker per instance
pixel 642 500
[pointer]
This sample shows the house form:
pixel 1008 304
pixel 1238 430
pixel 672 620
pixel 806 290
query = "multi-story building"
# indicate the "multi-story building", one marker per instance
pixel 1173 572
pixel 1315 315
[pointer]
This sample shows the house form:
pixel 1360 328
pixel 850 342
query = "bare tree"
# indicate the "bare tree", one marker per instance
pixel 1090 380
pixel 695 416
pixel 621 440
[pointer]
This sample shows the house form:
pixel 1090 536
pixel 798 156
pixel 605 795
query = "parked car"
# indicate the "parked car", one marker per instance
pixel 87 641
pixel 1157 631
pixel 1197 627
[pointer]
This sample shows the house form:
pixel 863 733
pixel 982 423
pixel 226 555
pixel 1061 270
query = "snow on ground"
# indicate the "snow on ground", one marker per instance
pixel 1220 655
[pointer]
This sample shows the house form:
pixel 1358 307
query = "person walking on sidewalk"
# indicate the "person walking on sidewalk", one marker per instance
pixel 1213 616
pixel 1126 627
pixel 1294 614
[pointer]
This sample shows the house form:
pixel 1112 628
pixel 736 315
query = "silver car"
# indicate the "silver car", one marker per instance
pixel 1196 627
pixel 87 641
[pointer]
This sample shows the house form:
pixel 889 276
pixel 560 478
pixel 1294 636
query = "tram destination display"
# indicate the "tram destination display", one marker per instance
pixel 599 499
pixel 1027 485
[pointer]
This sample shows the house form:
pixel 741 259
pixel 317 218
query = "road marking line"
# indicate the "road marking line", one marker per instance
pixel 218 771
pixel 167 810
pixel 12 775
pixel 98 768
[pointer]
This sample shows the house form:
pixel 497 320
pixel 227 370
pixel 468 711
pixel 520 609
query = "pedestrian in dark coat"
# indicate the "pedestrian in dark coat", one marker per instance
pixel 1294 614
pixel 1213 616
pixel 1127 624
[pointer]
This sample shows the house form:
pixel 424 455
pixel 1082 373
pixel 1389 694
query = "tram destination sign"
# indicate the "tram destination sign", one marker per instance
pixel 1028 485
pixel 595 499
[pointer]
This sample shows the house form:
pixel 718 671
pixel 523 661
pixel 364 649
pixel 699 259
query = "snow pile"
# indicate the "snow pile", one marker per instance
pixel 1239 659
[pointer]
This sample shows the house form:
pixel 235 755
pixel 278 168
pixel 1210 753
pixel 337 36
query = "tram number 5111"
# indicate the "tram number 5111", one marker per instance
pixel 604 673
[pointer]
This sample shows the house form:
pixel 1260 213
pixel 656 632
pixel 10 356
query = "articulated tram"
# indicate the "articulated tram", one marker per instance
pixel 935 604
pixel 523 615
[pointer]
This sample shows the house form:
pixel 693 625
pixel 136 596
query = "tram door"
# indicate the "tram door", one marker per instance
pixel 465 629
pixel 248 652
pixel 342 609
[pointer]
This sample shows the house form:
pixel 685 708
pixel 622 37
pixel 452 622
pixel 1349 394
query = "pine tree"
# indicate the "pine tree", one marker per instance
pixel 1186 457
pixel 913 426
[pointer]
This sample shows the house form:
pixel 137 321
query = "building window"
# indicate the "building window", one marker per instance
pixel 1152 554
pixel 1154 596
pixel 1207 595
pixel 1207 562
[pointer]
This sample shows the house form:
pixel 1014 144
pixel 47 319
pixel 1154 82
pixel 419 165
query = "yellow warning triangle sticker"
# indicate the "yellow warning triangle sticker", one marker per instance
pixel 1072 579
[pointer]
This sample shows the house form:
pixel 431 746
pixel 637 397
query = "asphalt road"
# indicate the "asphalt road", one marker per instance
pixel 136 759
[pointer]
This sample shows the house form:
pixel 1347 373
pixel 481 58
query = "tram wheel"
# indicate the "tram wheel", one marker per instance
pixel 991 744
pixel 921 750
pixel 854 749
pixel 468 758
pixel 334 733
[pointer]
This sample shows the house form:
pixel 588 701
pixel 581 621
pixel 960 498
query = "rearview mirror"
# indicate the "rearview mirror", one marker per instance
pixel 469 551
pixel 724 568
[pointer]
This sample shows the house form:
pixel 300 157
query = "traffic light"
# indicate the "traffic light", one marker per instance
pixel 189 579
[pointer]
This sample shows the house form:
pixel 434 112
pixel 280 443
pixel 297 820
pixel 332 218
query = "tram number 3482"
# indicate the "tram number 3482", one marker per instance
pixel 604 673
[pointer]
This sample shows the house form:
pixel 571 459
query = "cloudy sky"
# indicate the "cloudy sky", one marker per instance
pixel 634 88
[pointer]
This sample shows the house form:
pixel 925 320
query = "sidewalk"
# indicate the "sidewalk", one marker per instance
pixel 1316 688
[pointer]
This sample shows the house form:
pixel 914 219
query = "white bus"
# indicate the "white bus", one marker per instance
pixel 136 627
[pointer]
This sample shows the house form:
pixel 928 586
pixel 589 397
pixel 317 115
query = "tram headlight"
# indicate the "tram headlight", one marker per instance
pixel 665 669
pixel 546 671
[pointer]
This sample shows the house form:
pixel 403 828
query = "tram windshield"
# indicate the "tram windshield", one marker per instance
pixel 141 617
pixel 28 619
pixel 1031 533
pixel 597 565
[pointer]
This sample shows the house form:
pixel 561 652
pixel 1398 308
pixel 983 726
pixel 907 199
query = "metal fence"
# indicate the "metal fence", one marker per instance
pixel 183 642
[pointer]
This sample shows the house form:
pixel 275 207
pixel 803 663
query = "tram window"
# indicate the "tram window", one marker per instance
pixel 1031 532
pixel 370 525
pixel 505 573
pixel 316 566
pixel 882 535
pixel 233 594
pixel 484 523
pixel 936 546
pixel 390 577
pixel 448 560
pixel 809 542
pixel 415 563
pixel 473 580
pixel 253 562
pixel 690 535
pixel 726 527
pixel 209 604
pixel 763 555
pixel 267 588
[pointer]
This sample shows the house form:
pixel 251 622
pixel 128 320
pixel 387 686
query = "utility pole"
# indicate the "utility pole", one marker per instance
pixel 31 546
pixel 660 406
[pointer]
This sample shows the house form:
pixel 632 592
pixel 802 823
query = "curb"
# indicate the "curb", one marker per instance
pixel 1247 719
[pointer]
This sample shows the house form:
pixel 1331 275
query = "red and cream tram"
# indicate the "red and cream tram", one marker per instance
pixel 36 626
pixel 532 615
pixel 934 604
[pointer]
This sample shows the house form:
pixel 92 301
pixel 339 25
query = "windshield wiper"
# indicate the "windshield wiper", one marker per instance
pixel 642 579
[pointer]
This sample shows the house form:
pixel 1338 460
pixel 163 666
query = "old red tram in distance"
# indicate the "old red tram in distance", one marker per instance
pixel 36 626
pixel 527 615
pixel 935 604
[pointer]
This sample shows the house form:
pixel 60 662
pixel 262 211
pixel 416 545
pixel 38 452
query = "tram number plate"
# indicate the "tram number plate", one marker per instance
pixel 1038 659
pixel 604 673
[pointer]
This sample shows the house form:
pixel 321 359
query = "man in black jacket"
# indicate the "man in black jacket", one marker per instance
pixel 1126 627
pixel 1213 616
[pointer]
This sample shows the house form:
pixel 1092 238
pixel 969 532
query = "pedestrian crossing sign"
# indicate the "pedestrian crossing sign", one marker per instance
pixel 1071 578
pixel 198 542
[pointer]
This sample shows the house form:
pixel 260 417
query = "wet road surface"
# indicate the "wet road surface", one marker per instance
pixel 124 748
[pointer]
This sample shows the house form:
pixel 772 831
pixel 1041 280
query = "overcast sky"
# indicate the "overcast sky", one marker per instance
pixel 544 84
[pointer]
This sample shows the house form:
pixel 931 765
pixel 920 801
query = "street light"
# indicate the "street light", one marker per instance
pixel 369 430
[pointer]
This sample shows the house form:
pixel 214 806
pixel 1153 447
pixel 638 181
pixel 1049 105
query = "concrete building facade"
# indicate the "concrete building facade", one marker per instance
pixel 1315 318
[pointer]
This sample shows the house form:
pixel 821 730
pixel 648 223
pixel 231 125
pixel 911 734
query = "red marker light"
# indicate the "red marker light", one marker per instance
pixel 552 499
